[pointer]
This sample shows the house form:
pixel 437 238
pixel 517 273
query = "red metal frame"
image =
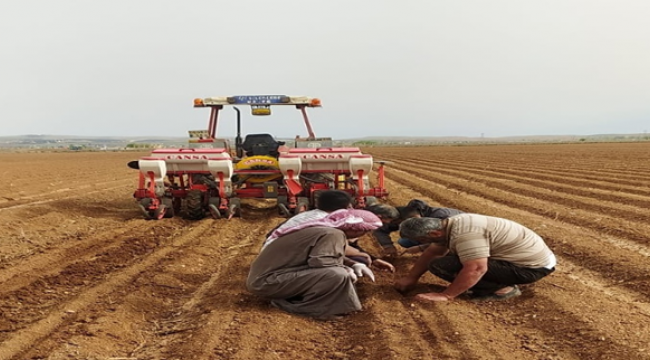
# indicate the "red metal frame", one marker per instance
pixel 214 119
pixel 310 131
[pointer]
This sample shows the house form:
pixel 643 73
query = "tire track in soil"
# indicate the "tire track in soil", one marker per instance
pixel 536 202
pixel 626 342
pixel 606 261
pixel 64 296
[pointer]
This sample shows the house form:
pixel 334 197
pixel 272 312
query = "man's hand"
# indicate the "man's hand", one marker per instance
pixel 432 297
pixel 361 270
pixel 352 275
pixel 383 265
pixel 367 257
pixel 416 249
pixel 351 252
pixel 405 284
pixel 389 252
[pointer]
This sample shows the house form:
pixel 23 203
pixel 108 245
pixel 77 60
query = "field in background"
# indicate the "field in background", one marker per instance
pixel 83 276
pixel 135 143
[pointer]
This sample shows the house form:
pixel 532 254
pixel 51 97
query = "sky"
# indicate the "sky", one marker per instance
pixel 381 68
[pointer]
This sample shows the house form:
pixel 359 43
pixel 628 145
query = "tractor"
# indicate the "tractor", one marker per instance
pixel 209 177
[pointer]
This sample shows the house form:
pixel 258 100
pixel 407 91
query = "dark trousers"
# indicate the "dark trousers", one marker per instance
pixel 500 273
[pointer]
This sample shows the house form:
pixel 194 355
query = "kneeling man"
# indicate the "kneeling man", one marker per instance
pixel 484 254
pixel 303 271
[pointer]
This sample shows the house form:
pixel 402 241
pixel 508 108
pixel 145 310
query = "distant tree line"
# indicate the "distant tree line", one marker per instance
pixel 132 146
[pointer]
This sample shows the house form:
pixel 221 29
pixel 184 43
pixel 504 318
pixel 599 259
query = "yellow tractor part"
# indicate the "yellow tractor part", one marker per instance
pixel 259 162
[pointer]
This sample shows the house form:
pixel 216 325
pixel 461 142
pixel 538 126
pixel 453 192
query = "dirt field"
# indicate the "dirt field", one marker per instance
pixel 83 276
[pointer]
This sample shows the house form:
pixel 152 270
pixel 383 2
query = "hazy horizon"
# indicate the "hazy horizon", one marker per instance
pixel 373 137
pixel 417 68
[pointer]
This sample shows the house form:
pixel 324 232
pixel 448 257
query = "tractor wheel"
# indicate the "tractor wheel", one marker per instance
pixel 169 207
pixel 177 204
pixel 213 207
pixel 194 205
pixel 302 205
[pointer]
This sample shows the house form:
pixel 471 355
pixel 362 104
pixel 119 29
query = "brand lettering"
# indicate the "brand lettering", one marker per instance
pixel 322 156
pixel 257 161
pixel 187 157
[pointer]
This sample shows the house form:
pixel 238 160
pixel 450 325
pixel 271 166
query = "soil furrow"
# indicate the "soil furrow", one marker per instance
pixel 618 185
pixel 224 290
pixel 58 195
pixel 634 208
pixel 22 273
pixel 622 223
pixel 459 313
pixel 84 277
pixel 627 340
pixel 69 293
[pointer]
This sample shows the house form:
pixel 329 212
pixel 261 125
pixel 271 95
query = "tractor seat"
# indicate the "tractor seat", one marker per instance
pixel 261 144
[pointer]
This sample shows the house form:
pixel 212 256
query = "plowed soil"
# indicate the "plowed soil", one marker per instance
pixel 84 276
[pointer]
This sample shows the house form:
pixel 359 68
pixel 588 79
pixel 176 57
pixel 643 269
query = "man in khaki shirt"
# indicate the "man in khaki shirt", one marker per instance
pixel 484 254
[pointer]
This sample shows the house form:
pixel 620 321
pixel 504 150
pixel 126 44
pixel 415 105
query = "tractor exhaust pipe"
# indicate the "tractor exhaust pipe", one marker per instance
pixel 238 143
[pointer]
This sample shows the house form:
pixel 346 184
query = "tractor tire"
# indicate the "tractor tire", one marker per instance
pixel 178 205
pixel 194 205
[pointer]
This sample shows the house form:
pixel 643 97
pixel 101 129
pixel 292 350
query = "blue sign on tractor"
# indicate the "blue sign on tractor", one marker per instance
pixel 259 99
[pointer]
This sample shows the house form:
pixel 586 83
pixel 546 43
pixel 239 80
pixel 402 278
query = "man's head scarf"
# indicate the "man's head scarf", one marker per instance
pixel 344 219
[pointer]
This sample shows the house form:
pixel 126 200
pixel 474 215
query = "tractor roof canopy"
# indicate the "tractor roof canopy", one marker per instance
pixel 260 105
pixel 256 100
